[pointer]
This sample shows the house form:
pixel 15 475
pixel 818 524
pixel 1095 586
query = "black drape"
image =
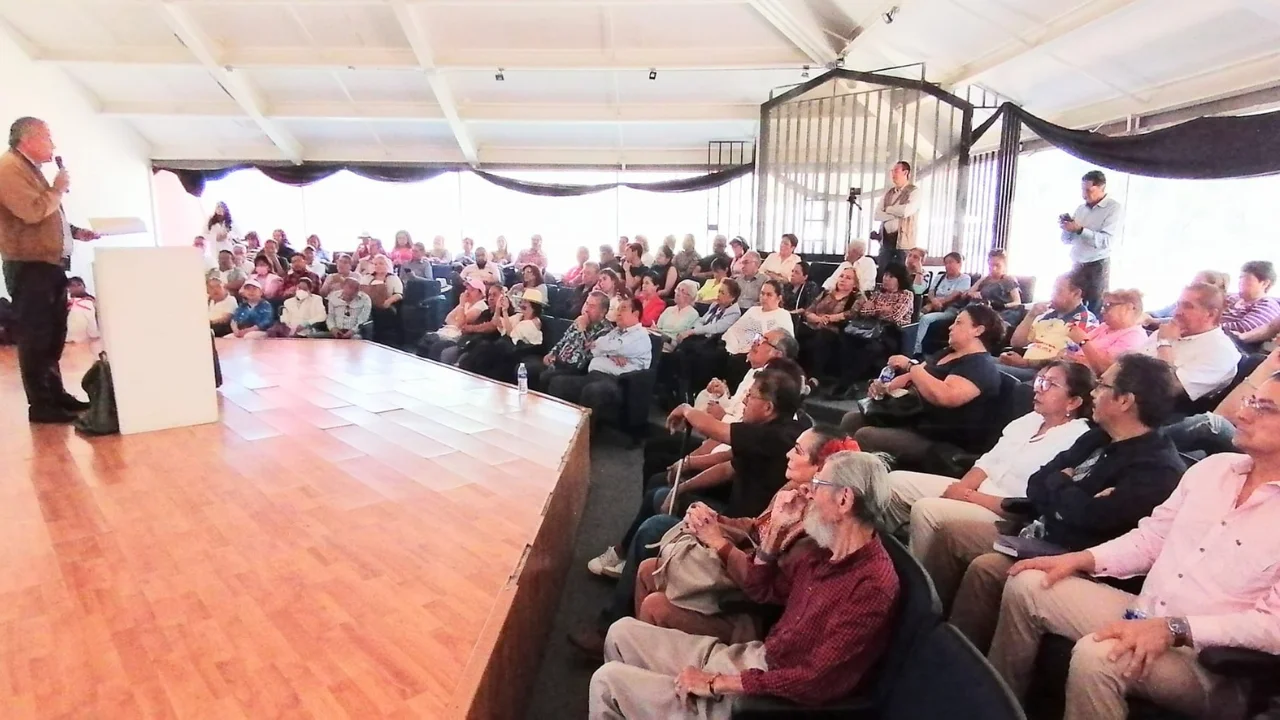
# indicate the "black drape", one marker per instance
pixel 194 180
pixel 1202 149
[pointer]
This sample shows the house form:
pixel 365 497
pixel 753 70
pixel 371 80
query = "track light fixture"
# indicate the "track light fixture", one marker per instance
pixel 653 73
pixel 804 74
pixel 890 15
pixel 499 76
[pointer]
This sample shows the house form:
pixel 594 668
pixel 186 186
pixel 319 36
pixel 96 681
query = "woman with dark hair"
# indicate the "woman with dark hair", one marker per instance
pixel 664 273
pixel 740 248
pixel 283 248
pixel 778 265
pixel 530 279
pixel 221 229
pixel 252 242
pixel 611 285
pixel 955 390
pixel 653 305
pixel 711 288
pixel 892 304
pixel 313 242
pixel 519 335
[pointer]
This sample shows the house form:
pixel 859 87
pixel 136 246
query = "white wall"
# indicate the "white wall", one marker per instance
pixel 109 163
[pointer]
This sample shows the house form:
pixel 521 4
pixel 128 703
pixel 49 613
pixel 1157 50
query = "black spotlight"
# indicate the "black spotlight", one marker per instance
pixel 499 76
pixel 804 74
pixel 653 74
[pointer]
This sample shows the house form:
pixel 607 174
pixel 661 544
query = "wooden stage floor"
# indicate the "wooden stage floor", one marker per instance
pixel 363 535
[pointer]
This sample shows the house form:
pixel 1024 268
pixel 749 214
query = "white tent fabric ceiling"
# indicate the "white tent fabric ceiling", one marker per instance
pixel 414 80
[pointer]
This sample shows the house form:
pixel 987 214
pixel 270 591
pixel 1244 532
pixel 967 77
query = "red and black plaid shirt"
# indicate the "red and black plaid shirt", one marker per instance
pixel 837 621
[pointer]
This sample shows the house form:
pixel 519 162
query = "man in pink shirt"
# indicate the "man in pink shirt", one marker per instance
pixel 1120 332
pixel 1209 553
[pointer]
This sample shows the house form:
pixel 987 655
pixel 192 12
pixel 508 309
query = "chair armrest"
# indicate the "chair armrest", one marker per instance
pixel 1240 662
pixel 750 707
pixel 1018 506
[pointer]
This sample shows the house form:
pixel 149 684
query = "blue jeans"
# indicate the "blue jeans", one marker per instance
pixel 1207 433
pixel 929 319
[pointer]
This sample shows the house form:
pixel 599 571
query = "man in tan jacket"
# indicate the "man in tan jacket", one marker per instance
pixel 35 241
pixel 897 215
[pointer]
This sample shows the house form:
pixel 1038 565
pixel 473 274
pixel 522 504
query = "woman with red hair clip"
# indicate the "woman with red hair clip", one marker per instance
pixel 653 605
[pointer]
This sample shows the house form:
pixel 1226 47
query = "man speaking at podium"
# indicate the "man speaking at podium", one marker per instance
pixel 35 245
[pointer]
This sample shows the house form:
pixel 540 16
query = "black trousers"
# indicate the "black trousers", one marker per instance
pixel 596 390
pixel 39 293
pixel 1095 279
pixel 889 252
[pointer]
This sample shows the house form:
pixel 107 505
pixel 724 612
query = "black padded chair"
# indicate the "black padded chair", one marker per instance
pixel 819 271
pixel 422 310
pixel 553 329
pixel 637 394
pixel 919 613
pixel 560 301
pixel 1244 368
pixel 948 678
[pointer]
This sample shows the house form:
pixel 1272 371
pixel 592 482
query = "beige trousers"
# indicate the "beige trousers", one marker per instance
pixel 977 605
pixel 637 680
pixel 1096 687
pixel 906 489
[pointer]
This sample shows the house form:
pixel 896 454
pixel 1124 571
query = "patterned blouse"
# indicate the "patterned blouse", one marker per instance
pixel 894 307
pixel 828 304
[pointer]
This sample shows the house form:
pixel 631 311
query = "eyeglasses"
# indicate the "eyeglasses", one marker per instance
pixel 819 483
pixel 1043 384
pixel 1114 303
pixel 758 339
pixel 1262 407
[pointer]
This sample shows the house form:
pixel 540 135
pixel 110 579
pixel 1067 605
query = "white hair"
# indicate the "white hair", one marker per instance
pixel 868 476
pixel 752 254
pixel 860 245
pixel 689 286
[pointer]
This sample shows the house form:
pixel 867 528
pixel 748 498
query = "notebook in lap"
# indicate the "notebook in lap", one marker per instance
pixel 1022 548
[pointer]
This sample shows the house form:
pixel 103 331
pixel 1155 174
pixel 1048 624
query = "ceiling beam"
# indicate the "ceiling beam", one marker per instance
pixel 1078 17
pixel 232 82
pixel 489 155
pixel 534 113
pixel 417 36
pixel 429 3
pixel 805 33
pixel 461 60
pixel 1258 72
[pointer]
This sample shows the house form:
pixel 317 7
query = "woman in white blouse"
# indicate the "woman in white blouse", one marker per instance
pixel 220 231
pixel 758 320
pixel 1063 399
pixel 519 335
pixel 682 316
pixel 778 265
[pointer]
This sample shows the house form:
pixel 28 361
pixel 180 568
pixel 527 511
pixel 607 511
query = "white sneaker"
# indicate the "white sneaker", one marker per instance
pixel 607 565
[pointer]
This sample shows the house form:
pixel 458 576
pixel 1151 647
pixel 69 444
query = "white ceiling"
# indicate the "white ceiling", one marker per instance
pixel 413 80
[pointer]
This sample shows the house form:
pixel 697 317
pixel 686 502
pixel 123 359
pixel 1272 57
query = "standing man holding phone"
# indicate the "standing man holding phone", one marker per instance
pixel 35 244
pixel 1090 232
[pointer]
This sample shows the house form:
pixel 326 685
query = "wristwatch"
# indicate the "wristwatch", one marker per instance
pixel 1181 631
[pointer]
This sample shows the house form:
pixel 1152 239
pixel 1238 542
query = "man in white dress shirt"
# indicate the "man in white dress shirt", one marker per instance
pixel 1203 357
pixel 863 267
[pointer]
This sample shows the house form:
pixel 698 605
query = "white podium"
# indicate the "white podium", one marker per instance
pixel 154 317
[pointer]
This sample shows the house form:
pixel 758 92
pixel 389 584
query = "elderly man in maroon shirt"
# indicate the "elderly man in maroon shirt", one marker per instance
pixel 845 599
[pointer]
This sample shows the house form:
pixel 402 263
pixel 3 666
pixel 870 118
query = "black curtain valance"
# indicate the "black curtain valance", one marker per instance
pixel 194 180
pixel 1201 149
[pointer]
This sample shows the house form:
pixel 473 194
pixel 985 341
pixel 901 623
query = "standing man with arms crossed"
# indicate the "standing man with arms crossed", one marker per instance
pixel 35 244
pixel 897 213
pixel 1090 232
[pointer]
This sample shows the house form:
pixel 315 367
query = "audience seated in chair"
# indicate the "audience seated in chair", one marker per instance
pixel 483 270
pixel 222 305
pixel 664 273
pixel 314 263
pixel 1044 332
pixel 999 289
pixel 652 305
pixel 313 242
pixel 1251 308
pixel 799 292
pixel 719 272
pixel 1119 333
pixel 738 245
pixel 740 482
pixel 915 271
pixel 698 610
pixel 439 254
pixel 1208 553
pixel 240 260
pixel 418 264
pixel 877 318
pixel 465 314
pixel 778 265
pixel 269 283
pixel 386 291
pixel 949 295
pixel 254 316
pixel 608 260
pixel 573 278
pixel 1097 490
pixel 632 269
pixel 700 346
pixel 302 315
pixel 530 279
pixel 586 285
pixel 349 309
pixel 333 281
pixel 1201 354
pixel 750 280
pixel 863 266
pixel 704 269
pixel 839 591
pixel 686 261
pixel 820 324
pixel 572 354
pixel 500 255
pixel 1210 433
pixel 519 335
pixel 468 254
pixel 610 284
pixel 625 349
pixel 297 271
pixel 679 317
pixel 533 254
pixel 955 391
pixel 227 273
pixel 275 261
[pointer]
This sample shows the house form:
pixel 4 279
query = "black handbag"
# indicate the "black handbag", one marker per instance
pixel 101 418
pixel 892 411
pixel 867 328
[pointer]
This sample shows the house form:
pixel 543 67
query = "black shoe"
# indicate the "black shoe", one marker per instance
pixel 589 642
pixel 71 403
pixel 51 416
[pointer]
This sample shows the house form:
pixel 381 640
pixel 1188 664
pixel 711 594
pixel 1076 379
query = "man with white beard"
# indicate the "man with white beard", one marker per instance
pixel 845 590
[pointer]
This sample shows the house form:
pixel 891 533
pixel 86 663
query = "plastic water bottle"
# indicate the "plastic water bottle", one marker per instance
pixel 887 374
pixel 522 379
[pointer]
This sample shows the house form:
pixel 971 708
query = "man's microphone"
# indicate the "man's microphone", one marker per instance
pixel 57 160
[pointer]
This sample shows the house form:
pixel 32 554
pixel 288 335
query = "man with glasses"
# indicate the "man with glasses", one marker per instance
pixel 839 591
pixel 1043 332
pixel 1209 556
